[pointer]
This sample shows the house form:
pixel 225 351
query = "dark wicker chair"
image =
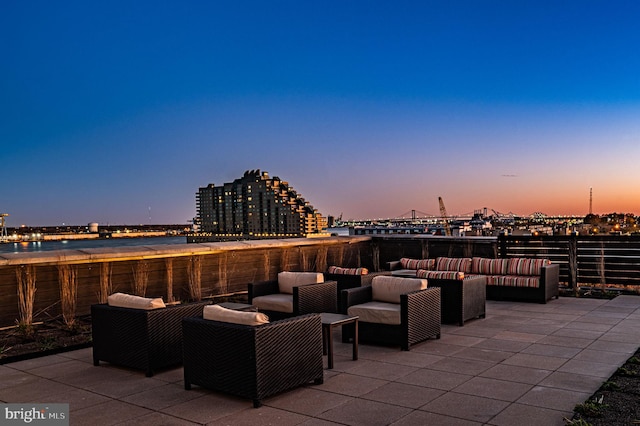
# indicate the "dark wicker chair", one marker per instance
pixel 462 300
pixel 253 361
pixel 145 340
pixel 346 281
pixel 419 317
pixel 307 299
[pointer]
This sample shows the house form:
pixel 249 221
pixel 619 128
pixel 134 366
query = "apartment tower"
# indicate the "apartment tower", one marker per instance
pixel 255 206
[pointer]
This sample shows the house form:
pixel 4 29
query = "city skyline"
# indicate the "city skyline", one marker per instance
pixel 117 113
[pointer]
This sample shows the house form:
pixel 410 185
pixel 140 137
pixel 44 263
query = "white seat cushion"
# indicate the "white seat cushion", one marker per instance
pixel 388 289
pixel 377 312
pixel 279 302
pixel 220 313
pixel 288 280
pixel 124 300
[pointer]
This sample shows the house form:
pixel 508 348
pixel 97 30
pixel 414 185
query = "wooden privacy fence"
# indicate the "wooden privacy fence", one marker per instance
pixel 178 272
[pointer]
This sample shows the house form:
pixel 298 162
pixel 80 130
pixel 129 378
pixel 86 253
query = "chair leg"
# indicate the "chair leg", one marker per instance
pixel 257 403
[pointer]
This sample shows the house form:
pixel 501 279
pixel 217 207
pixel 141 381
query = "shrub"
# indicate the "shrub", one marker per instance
pixel 26 277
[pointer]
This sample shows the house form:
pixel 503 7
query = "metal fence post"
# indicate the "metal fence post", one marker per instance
pixel 572 263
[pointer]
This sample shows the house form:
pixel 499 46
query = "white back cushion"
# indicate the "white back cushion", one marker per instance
pixel 388 289
pixel 124 300
pixel 288 280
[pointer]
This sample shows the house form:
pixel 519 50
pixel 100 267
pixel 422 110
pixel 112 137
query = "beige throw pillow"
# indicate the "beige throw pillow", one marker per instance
pixel 219 313
pixel 124 300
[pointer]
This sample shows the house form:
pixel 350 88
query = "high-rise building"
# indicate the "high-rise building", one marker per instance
pixel 255 206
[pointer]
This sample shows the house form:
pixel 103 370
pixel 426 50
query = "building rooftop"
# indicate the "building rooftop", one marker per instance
pixel 524 364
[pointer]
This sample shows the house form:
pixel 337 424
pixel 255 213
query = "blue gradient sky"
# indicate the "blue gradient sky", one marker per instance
pixel 118 112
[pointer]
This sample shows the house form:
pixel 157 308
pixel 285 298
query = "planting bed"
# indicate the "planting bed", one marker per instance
pixel 45 338
pixel 617 402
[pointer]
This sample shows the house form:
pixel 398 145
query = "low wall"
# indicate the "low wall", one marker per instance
pixel 225 267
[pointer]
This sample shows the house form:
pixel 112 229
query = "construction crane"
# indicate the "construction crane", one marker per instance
pixel 445 219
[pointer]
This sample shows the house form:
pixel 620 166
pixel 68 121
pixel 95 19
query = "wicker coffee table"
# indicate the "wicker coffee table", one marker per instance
pixel 329 321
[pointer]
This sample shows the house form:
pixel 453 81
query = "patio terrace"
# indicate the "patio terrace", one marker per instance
pixel 524 364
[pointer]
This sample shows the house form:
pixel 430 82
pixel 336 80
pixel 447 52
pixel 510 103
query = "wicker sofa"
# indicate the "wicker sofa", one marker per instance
pixel 517 279
pixel 253 361
pixel 418 313
pixel 146 340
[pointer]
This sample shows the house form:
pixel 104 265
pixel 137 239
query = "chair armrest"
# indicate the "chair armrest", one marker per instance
pixel 420 311
pixel 393 265
pixel 315 298
pixel 344 281
pixel 550 280
pixel 262 288
pixel 355 296
pixel 420 298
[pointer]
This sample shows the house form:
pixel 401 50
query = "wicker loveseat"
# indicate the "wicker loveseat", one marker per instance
pixel 142 339
pixel 393 311
pixel 253 361
pixel 293 294
pixel 518 279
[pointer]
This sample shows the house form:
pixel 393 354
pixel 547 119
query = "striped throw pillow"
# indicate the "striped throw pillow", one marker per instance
pixel 347 271
pixel 526 266
pixel 440 275
pixel 460 264
pixel 408 263
pixel 484 266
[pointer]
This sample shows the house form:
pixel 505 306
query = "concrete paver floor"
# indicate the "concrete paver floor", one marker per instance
pixel 524 364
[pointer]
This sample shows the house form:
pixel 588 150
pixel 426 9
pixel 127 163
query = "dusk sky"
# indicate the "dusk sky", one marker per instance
pixel 117 112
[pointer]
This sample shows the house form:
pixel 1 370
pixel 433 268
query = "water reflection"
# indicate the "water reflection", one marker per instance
pixel 40 246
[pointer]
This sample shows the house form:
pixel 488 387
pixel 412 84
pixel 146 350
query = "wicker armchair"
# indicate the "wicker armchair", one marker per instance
pixel 146 340
pixel 305 299
pixel 345 281
pixel 419 318
pixel 253 361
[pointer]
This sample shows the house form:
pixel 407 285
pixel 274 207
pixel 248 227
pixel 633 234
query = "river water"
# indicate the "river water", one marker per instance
pixel 39 246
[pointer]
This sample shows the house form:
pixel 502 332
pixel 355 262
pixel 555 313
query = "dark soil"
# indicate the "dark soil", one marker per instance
pixel 617 402
pixel 50 337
